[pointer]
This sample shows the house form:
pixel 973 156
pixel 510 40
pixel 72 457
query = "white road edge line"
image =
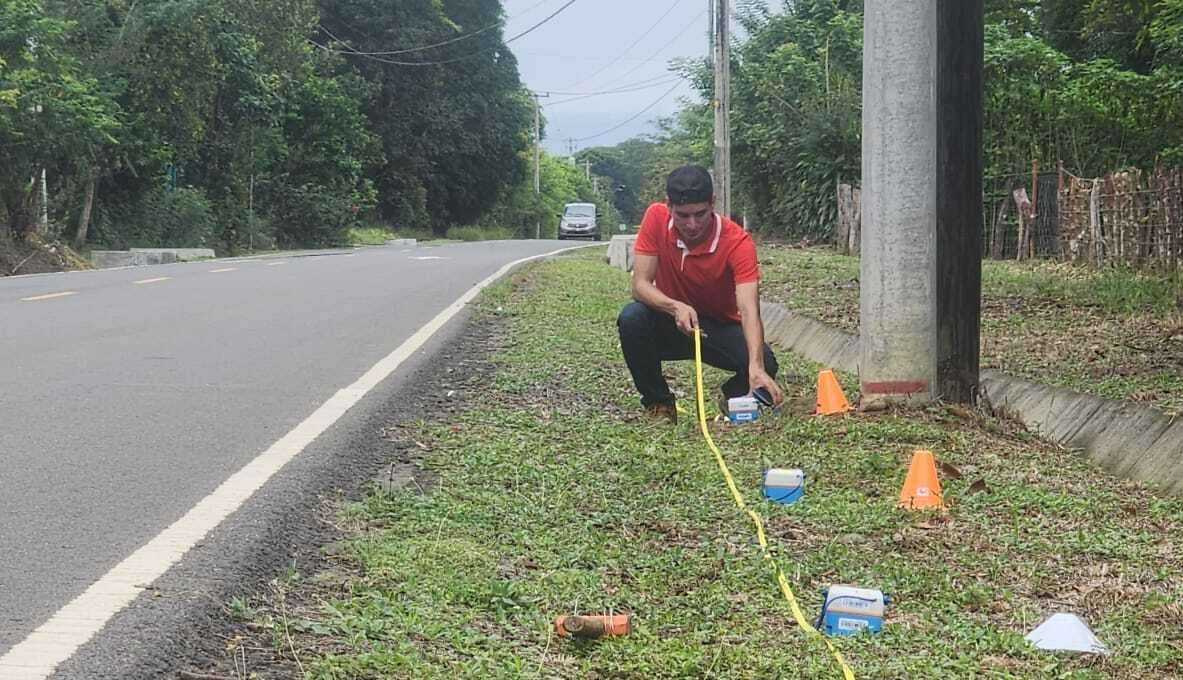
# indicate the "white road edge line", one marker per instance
pixel 55 641
pixel 158 279
pixel 50 296
pixel 223 269
pixel 274 264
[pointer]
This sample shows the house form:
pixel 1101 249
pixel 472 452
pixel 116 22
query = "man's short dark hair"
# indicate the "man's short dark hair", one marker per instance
pixel 689 184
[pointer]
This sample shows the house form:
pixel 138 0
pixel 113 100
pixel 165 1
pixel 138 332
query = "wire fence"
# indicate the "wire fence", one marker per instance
pixel 1129 218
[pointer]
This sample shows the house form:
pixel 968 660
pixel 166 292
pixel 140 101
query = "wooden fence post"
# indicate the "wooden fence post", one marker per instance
pixel 856 221
pixel 1095 223
pixel 998 234
pixel 1023 210
pixel 842 229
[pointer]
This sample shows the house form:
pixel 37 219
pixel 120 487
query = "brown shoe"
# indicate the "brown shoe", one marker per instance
pixel 663 409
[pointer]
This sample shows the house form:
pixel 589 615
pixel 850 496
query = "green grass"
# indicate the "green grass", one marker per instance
pixel 378 234
pixel 1119 292
pixel 370 236
pixel 1113 333
pixel 552 496
pixel 479 233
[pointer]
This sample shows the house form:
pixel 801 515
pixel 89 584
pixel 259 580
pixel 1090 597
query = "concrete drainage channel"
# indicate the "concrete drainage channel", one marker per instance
pixel 1129 440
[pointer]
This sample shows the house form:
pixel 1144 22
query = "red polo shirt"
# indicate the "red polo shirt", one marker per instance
pixel 705 276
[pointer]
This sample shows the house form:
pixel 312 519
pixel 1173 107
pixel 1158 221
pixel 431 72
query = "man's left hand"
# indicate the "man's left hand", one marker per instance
pixel 758 377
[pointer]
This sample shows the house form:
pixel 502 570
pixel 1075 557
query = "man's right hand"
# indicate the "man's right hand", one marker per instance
pixel 685 317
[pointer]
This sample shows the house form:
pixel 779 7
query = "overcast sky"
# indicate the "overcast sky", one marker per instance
pixel 598 45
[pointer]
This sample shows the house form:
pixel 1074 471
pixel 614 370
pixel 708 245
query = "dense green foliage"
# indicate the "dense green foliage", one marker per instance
pixel 637 168
pixel 251 123
pixel 1095 83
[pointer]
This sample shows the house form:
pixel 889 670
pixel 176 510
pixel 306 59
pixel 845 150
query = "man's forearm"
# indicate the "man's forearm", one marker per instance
pixel 648 294
pixel 753 334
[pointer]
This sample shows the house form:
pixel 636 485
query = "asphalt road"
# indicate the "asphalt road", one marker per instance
pixel 127 396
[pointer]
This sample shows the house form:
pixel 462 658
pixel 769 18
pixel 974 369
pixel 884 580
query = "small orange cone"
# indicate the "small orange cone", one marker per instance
pixel 831 399
pixel 922 487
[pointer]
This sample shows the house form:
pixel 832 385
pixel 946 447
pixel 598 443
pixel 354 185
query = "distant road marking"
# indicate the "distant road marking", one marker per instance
pixel 38 655
pixel 428 257
pixel 155 280
pixel 274 264
pixel 50 296
pixel 224 269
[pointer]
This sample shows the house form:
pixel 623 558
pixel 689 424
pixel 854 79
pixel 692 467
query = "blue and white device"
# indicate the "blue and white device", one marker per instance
pixel 849 610
pixel 784 486
pixel 743 409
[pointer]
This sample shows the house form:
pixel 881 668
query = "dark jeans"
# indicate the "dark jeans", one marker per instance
pixel 649 337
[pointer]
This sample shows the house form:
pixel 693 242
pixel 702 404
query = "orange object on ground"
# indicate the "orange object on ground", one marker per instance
pixel 590 627
pixel 922 487
pixel 831 400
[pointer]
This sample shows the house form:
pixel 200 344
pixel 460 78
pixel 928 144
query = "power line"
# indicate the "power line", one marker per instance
pixel 632 118
pixel 499 23
pixel 622 88
pixel 636 42
pixel 660 83
pixel 664 47
pixel 353 52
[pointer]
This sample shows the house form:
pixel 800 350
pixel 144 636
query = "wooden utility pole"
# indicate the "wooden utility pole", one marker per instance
pixel 722 103
pixel 711 32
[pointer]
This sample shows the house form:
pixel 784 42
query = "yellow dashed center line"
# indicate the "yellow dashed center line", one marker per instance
pixel 50 296
pixel 155 280
pixel 226 269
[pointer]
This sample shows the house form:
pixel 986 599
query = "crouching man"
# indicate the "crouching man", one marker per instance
pixel 694 269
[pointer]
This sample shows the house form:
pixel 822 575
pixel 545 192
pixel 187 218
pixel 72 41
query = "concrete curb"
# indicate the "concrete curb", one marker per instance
pixel 620 252
pixel 181 254
pixel 1130 440
pixel 142 257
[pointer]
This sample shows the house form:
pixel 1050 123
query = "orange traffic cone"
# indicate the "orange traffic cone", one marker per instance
pixel 830 397
pixel 922 488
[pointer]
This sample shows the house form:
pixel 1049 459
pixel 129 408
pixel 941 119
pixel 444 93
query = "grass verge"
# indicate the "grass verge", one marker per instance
pixel 1114 334
pixel 473 233
pixel 552 496
pixel 370 236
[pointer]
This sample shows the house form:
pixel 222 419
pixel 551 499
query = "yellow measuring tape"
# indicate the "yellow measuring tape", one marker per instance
pixel 756 519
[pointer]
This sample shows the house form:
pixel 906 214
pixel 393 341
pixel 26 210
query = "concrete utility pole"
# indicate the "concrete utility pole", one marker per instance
pixel 722 56
pixel 538 157
pixel 922 194
pixel 43 199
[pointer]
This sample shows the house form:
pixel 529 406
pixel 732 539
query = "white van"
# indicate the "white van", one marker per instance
pixel 579 221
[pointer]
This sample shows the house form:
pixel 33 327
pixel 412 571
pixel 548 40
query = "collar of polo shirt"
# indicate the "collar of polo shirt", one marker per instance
pixel 714 242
